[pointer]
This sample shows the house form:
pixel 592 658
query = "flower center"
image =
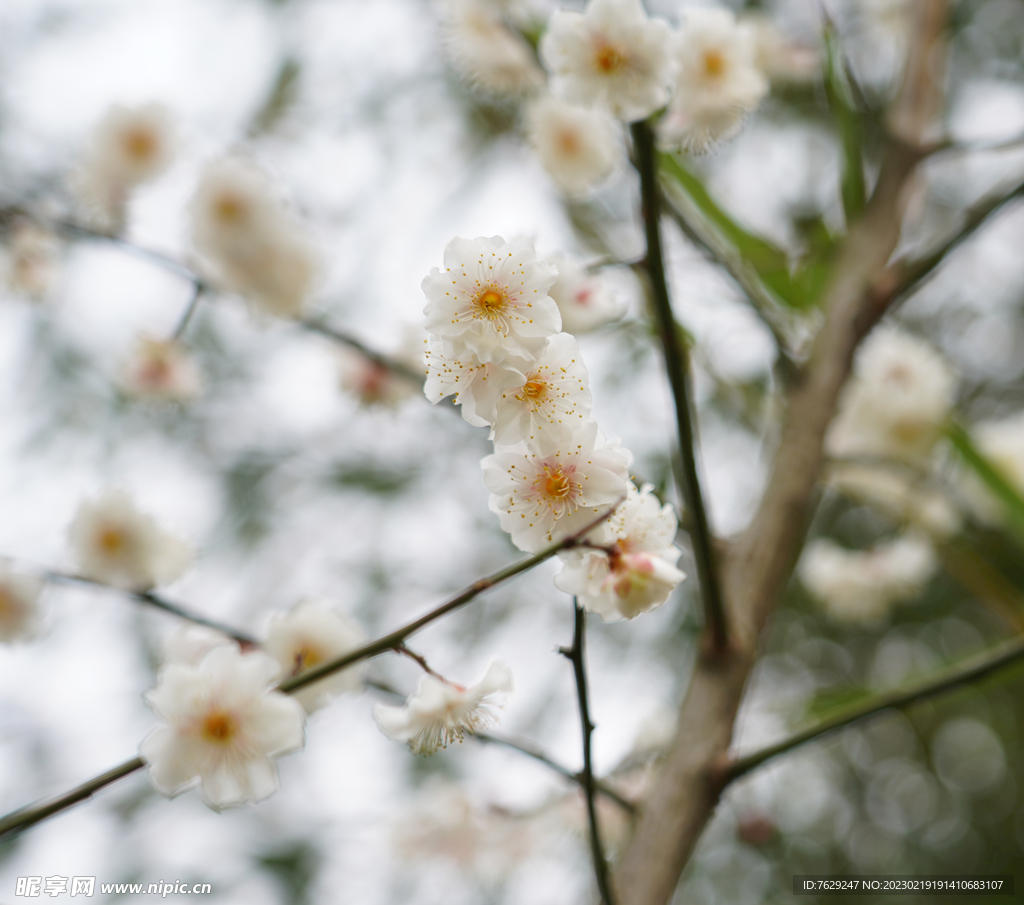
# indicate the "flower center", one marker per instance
pixel 608 60
pixel 229 208
pixel 490 303
pixel 111 541
pixel 535 390
pixel 219 727
pixel 557 486
pixel 306 657
pixel 140 144
pixel 8 606
pixel 714 64
pixel 568 142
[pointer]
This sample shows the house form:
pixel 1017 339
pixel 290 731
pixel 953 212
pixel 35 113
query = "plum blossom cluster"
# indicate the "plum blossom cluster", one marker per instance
pixel 495 345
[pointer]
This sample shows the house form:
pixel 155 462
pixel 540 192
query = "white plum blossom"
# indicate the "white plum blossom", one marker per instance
pixel 718 82
pixel 30 261
pixel 636 571
pixel 861 587
pixel 541 499
pixel 19 605
pixel 584 300
pixel 550 404
pixel 486 52
pixel 189 643
pixel 222 727
pixel 578 146
pixel 310 634
pixel 778 56
pixel 897 401
pixel 491 300
pixel 115 543
pixel 161 369
pixel 476 386
pixel 375 384
pixel 1002 444
pixel 441 712
pixel 130 146
pixel 249 238
pixel 611 55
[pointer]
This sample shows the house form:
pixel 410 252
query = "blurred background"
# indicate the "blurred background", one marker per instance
pixel 290 479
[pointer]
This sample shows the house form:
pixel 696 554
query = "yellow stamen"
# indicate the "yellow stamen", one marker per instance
pixel 714 63
pixel 218 727
pixel 608 59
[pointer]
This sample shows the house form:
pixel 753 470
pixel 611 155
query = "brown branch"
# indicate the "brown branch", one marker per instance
pixel 577 656
pixel 970 670
pixel 696 767
pixel 677 365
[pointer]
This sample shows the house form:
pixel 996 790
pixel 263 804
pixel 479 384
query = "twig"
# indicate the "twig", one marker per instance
pixel 197 294
pixel 577 654
pixel 971 669
pixel 677 366
pixel 397 637
pixel 316 325
pixel 389 642
pixel 159 602
pixel 25 817
pixel 420 660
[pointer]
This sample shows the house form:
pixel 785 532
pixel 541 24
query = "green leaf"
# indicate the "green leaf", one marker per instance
pixel 840 100
pixel 991 476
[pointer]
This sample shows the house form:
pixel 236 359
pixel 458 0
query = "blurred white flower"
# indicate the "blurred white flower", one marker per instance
pixel 250 239
pixel 129 146
pixel 113 542
pixel 491 300
pixel 1002 444
pixel 719 81
pixel 779 57
pixel 611 55
pixel 161 369
pixel 895 404
pixel 861 586
pixel 223 726
pixel 486 52
pixel 541 499
pixel 477 386
pixel 550 404
pixel 579 147
pixel 30 260
pixel 584 299
pixel 375 384
pixel 441 712
pixel 638 572
pixel 189 644
pixel 310 634
pixel 19 605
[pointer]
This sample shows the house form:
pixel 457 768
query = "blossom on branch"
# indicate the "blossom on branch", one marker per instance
pixel 541 499
pixel 441 712
pixel 611 55
pixel 130 146
pixel 117 544
pixel 861 586
pixel 635 570
pixel 19 605
pixel 579 147
pixel 161 369
pixel 491 300
pixel 584 299
pixel 486 52
pixel 310 634
pixel 250 239
pixel 550 404
pixel 897 401
pixel 223 725
pixel 30 260
pixel 477 386
pixel 718 83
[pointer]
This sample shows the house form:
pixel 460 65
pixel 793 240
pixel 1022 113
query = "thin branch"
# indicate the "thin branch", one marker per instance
pixel 23 818
pixel 577 654
pixel 970 670
pixel 12 822
pixel 159 602
pixel 677 365
pixel 197 294
pixel 395 639
pixel 400 368
pixel 420 660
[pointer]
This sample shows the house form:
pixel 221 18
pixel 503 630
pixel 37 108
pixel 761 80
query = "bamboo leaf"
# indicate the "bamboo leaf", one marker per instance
pixel 990 476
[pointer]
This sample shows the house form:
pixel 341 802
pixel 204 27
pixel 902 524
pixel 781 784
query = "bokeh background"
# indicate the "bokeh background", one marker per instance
pixel 288 486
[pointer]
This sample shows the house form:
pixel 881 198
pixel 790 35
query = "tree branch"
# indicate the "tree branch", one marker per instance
pixel 577 655
pixel 186 316
pixel 978 667
pixel 677 366
pixel 316 325
pixel 761 561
